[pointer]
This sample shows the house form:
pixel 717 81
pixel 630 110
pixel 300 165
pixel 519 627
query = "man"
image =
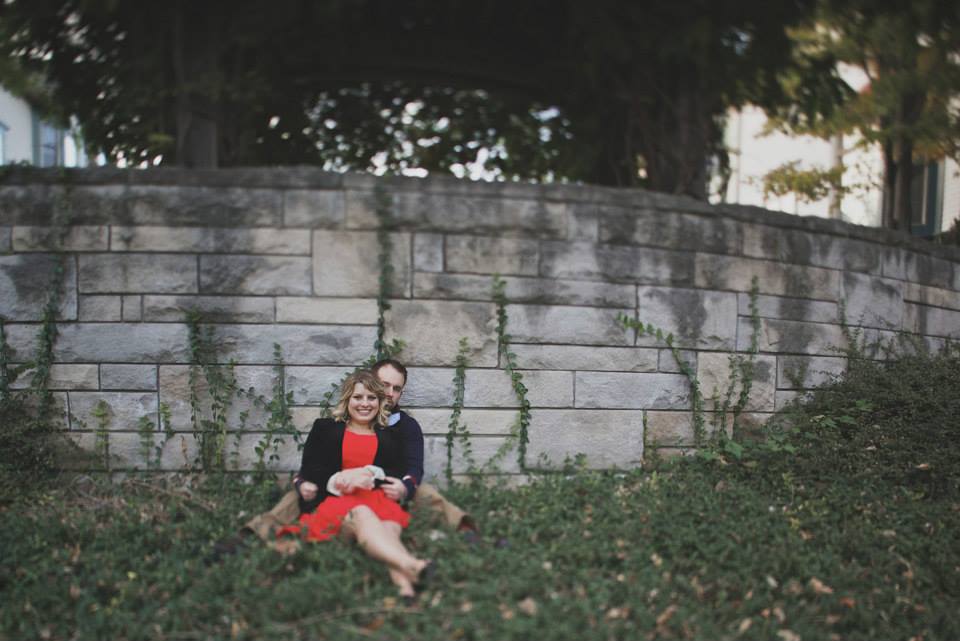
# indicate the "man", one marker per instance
pixel 393 375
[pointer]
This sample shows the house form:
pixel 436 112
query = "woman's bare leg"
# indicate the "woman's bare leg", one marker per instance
pixel 381 541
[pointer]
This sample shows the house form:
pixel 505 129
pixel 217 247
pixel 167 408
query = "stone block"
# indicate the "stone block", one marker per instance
pixel 870 301
pixel 345 263
pixel 477 422
pixel 483 451
pixel 75 238
pixel 26 281
pixel 671 230
pixel 180 453
pixel 904 264
pixel 123 409
pixel 807 372
pixel 432 331
pixel 623 390
pixel 584 222
pixel 301 344
pixel 696 318
pixel 581 357
pixel 428 252
pixel 585 260
pixel 101 308
pixel 669 429
pixel 714 376
pixel 132 308
pixel 492 255
pixel 53 205
pixel 213 309
pixel 122 376
pixel 210 240
pixel 334 311
pixel 132 451
pixel 442 212
pixel 572 325
pixel 493 388
pixel 303 416
pixel 786 397
pixel 122 343
pixel 141 273
pixel 281 455
pixel 267 275
pixel 794 337
pixel 64 376
pixel 428 387
pixel 861 256
pixel 6 244
pixel 518 289
pixel 207 206
pixel 313 208
pixel 310 384
pixel 667 360
pixel 793 246
pixel 933 296
pixel 778 279
pixel 608 438
pixel 931 321
pixel 800 309
pixel 251 382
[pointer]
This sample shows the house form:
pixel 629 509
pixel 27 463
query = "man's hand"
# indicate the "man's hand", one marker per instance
pixel 357 478
pixel 308 490
pixel 394 489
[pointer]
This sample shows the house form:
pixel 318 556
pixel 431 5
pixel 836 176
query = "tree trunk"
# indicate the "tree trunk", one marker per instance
pixel 195 64
pixel 677 135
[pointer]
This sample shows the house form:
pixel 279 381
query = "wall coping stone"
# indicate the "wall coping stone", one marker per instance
pixel 300 177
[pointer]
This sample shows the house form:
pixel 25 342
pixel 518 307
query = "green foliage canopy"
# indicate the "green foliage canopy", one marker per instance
pixel 605 92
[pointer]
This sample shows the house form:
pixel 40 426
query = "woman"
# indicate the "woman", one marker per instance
pixel 345 459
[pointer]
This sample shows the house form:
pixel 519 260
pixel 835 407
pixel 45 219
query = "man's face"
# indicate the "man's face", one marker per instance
pixel 392 384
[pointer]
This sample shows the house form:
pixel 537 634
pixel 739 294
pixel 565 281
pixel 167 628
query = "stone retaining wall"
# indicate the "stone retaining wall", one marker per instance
pixel 289 256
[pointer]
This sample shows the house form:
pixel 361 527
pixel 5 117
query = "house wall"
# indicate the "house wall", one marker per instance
pixel 289 257
pixel 18 141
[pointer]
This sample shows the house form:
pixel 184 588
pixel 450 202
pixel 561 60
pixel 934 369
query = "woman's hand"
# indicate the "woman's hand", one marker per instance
pixel 308 490
pixel 357 478
pixel 394 489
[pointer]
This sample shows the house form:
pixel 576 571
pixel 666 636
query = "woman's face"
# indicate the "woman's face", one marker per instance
pixel 363 405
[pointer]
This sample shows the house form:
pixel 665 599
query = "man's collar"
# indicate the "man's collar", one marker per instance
pixel 394 417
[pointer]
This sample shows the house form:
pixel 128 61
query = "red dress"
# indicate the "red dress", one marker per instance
pixel 324 522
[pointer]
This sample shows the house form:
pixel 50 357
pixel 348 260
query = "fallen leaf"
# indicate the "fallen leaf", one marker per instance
pixel 772 582
pixel 466 606
pixel 376 624
pixel 656 559
pixel 74 591
pixel 389 602
pixel 619 613
pixel 819 587
pixel 848 601
pixel 923 466
pixel 506 612
pixel 744 626
pixel 806 536
pixel 778 612
pixel 528 606
pixel 665 615
pixel 788 635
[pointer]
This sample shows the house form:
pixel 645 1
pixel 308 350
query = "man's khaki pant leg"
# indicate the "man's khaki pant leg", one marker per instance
pixel 285 512
pixel 429 498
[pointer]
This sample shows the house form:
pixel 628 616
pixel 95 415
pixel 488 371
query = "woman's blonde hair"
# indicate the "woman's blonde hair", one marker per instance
pixel 372 384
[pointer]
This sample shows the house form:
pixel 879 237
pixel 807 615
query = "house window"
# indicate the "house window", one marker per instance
pixel 926 198
pixel 50 146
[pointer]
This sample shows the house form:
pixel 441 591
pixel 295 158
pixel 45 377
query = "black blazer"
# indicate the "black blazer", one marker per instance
pixel 323 455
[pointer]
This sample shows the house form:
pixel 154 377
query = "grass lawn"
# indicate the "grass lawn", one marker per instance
pixel 847 526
